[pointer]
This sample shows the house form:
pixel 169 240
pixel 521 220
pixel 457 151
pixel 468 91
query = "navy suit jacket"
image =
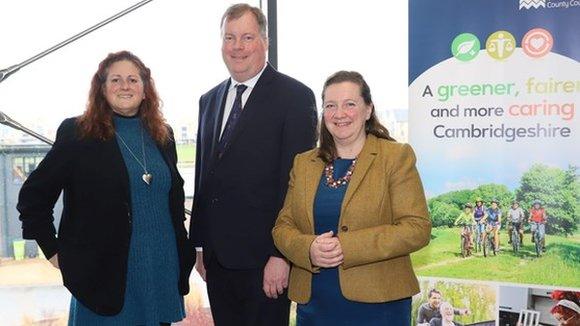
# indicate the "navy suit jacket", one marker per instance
pixel 238 195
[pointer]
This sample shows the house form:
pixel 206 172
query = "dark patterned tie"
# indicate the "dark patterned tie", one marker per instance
pixel 232 120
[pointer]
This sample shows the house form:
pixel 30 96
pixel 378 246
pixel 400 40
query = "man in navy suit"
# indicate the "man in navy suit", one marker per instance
pixel 250 128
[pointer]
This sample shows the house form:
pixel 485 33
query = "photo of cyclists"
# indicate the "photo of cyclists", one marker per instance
pixel 538 306
pixel 442 302
pixel 501 179
pixel 526 235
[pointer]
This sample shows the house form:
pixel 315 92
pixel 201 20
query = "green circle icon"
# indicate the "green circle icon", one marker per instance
pixel 465 47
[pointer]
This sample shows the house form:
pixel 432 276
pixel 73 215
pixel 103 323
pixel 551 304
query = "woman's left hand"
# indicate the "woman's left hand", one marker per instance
pixel 326 251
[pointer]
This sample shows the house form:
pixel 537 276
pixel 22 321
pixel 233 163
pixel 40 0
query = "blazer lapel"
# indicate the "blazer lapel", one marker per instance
pixel 257 98
pixel 217 118
pixel 164 150
pixel 120 169
pixel 314 170
pixel 363 163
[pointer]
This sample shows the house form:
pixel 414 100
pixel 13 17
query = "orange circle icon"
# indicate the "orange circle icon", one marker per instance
pixel 537 42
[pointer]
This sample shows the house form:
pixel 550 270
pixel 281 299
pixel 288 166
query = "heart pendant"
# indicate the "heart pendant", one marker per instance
pixel 147 178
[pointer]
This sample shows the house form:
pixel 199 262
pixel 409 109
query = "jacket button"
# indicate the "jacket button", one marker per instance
pixel 212 172
pixel 344 228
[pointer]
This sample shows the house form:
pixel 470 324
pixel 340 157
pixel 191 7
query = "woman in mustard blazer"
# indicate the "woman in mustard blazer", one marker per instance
pixel 354 211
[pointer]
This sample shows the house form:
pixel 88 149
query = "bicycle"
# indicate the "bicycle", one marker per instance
pixel 478 241
pixel 539 234
pixel 515 237
pixel 489 241
pixel 465 240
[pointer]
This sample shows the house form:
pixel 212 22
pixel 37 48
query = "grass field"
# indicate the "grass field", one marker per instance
pixel 558 266
pixel 186 153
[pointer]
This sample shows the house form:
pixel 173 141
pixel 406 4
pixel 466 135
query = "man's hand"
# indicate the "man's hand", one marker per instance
pixel 54 261
pixel 276 277
pixel 325 251
pixel 199 267
pixel 464 311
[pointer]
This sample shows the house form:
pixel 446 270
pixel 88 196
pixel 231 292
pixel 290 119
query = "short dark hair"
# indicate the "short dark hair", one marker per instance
pixel 238 10
pixel 434 291
pixel 327 151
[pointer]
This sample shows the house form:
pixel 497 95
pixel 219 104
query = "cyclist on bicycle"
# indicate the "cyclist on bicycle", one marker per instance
pixel 465 220
pixel 493 221
pixel 479 214
pixel 516 219
pixel 537 219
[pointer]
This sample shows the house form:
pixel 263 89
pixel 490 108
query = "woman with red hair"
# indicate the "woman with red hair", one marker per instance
pixel 121 246
pixel 567 308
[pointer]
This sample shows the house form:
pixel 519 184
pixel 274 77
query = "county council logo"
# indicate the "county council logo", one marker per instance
pixel 527 4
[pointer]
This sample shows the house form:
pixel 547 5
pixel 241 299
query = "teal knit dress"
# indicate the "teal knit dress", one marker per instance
pixel 152 294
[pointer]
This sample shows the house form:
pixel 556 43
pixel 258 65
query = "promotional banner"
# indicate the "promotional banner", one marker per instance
pixel 493 91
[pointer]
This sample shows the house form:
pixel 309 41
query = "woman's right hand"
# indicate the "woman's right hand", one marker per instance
pixel 325 251
pixel 54 261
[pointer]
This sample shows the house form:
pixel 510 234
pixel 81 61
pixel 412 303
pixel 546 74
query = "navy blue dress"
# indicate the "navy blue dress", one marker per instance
pixel 327 305
pixel 152 294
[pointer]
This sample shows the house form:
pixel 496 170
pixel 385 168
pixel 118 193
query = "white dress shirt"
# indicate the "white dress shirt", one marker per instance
pixel 251 83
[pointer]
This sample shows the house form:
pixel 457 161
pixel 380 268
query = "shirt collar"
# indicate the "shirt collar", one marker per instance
pixel 251 83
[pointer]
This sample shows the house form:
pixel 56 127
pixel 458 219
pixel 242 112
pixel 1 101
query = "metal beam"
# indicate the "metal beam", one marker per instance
pixel 273 32
pixel 5 73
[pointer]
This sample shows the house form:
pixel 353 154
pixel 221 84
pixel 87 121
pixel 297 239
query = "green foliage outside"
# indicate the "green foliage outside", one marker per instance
pixel 445 208
pixel 479 299
pixel 558 266
pixel 557 189
pixel 186 153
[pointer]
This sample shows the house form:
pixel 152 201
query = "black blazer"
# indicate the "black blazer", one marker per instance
pixel 95 228
pixel 238 196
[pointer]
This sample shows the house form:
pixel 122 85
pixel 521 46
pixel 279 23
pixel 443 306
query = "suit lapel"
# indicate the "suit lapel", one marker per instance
pixel 313 174
pixel 363 163
pixel 256 100
pixel 216 118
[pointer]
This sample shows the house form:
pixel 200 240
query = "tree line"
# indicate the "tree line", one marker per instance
pixel 557 190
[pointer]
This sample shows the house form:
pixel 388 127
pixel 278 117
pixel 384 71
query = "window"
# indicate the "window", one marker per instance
pixel 318 38
pixel 22 166
pixel 178 40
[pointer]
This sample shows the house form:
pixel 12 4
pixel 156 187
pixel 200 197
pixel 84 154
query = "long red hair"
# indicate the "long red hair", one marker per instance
pixel 97 120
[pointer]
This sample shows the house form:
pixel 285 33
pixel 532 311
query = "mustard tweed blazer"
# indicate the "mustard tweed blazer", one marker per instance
pixel 383 219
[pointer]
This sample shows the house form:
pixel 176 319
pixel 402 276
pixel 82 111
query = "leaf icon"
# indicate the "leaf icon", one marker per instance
pixel 465 47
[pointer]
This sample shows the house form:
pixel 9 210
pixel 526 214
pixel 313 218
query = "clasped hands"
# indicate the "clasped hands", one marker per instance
pixel 326 251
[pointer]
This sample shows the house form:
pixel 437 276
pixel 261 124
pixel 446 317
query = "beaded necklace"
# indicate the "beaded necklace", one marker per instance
pixel 329 172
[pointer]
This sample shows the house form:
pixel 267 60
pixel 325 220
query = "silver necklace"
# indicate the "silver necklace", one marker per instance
pixel 146 177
